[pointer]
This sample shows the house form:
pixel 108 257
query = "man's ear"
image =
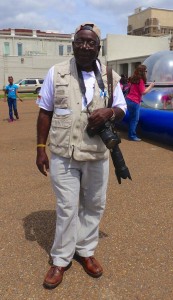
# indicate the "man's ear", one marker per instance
pixel 99 47
pixel 73 45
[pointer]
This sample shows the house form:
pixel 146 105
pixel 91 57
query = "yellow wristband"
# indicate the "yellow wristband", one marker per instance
pixel 41 145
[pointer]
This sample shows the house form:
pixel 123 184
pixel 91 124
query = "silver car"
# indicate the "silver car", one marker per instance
pixel 29 85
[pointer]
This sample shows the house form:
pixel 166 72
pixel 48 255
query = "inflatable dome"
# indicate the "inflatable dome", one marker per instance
pixel 160 69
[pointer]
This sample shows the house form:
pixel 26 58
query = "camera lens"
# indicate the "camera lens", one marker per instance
pixel 110 144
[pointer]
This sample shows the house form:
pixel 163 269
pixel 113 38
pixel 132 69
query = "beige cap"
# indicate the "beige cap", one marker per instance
pixel 89 26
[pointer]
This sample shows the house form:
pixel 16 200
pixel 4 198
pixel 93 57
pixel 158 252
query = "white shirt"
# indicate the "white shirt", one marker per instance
pixel 46 96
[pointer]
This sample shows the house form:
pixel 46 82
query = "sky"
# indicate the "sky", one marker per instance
pixel 64 16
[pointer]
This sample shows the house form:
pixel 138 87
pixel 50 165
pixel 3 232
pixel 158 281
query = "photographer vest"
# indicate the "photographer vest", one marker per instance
pixel 68 136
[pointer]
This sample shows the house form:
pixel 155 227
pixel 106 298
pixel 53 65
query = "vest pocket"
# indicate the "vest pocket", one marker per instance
pixel 61 93
pixel 60 130
pixel 92 144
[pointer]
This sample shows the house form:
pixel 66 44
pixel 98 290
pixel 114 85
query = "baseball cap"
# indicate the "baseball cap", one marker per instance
pixel 89 26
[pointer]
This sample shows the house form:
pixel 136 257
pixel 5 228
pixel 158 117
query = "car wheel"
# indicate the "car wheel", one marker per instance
pixel 38 90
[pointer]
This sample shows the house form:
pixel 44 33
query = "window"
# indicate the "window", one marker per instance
pixel 61 50
pixel 23 82
pixel 69 49
pixel 41 81
pixel 19 49
pixel 31 81
pixel 6 48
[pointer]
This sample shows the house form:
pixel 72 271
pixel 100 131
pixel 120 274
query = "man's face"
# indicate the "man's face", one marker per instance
pixel 86 47
pixel 10 80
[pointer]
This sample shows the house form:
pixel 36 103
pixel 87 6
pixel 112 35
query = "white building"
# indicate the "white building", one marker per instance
pixel 30 53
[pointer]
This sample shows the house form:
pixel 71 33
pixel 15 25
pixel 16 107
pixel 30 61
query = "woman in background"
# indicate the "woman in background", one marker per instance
pixel 134 97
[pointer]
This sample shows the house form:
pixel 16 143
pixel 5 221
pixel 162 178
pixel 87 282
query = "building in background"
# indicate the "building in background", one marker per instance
pixel 27 53
pixel 124 52
pixel 153 22
pixel 30 53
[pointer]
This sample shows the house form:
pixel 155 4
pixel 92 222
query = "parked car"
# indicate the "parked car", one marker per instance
pixel 29 85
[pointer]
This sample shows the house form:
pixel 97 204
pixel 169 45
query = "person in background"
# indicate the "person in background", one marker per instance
pixel 73 98
pixel 11 95
pixel 125 85
pixel 133 99
pixel 167 100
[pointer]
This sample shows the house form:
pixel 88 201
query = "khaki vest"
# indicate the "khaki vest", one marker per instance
pixel 68 136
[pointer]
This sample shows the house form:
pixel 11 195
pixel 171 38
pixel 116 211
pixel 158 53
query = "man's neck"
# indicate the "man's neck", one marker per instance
pixel 87 69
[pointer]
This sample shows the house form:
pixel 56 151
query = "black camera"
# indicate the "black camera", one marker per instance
pixel 111 139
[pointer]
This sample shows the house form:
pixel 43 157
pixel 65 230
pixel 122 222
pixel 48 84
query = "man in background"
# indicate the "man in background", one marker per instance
pixel 11 95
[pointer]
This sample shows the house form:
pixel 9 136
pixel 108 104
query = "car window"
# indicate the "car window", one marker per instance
pixel 41 81
pixel 23 82
pixel 31 81
pixel 17 82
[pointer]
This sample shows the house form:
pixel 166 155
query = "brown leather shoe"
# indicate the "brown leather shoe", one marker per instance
pixel 54 277
pixel 91 266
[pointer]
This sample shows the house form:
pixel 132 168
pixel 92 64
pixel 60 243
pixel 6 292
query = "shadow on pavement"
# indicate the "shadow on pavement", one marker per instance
pixel 40 227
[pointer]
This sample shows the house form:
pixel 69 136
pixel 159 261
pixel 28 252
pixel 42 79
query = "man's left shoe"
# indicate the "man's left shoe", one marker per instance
pixel 90 265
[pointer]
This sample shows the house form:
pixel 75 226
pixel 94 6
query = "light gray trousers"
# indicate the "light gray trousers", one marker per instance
pixel 80 189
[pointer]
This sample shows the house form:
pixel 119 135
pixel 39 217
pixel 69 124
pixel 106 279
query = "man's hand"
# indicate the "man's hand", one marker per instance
pixel 43 126
pixel 42 161
pixel 99 117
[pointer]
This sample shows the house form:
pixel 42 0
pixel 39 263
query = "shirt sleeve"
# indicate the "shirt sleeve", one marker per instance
pixel 118 98
pixel 45 98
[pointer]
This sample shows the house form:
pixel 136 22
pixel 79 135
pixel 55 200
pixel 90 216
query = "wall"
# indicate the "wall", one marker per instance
pixel 127 46
pixel 33 66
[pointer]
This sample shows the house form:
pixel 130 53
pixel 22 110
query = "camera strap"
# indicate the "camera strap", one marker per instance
pixel 97 76
pixel 110 85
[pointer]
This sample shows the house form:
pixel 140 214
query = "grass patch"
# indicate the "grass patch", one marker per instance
pixel 22 95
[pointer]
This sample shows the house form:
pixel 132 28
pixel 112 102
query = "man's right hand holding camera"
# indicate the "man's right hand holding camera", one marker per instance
pixel 98 117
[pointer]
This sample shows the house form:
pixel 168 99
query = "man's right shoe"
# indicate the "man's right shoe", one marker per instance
pixel 54 277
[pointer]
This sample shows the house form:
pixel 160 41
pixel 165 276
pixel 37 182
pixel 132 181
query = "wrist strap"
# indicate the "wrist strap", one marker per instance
pixel 41 145
pixel 110 85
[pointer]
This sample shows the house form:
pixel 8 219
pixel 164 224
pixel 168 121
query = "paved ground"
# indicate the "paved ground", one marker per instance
pixel 136 232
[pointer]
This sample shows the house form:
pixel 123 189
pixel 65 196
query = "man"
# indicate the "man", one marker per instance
pixel 74 98
pixel 11 95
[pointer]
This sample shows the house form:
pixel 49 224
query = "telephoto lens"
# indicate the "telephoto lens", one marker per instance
pixel 111 140
pixel 121 170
